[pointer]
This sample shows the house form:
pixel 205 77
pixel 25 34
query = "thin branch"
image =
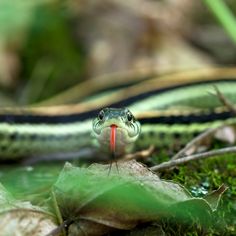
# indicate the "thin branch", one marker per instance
pixel 208 132
pixel 183 160
pixel 225 101
pixel 195 141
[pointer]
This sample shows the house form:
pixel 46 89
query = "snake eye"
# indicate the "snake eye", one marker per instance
pixel 129 116
pixel 101 115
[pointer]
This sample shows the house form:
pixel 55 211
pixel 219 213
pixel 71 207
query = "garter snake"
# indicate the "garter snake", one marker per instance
pixel 169 110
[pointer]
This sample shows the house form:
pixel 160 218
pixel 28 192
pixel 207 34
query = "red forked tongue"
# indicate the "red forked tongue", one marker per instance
pixel 113 138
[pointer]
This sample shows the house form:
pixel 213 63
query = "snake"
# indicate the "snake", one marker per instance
pixel 161 111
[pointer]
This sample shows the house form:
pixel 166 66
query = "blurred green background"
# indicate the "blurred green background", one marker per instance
pixel 47 46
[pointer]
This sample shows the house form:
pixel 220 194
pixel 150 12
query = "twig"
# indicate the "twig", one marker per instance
pixel 195 141
pixel 225 101
pixel 173 163
pixel 209 132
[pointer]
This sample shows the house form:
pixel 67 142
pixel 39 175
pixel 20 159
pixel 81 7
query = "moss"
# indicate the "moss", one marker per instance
pixel 201 177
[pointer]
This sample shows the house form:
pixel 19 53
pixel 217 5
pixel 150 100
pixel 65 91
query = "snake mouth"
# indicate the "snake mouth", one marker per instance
pixel 129 131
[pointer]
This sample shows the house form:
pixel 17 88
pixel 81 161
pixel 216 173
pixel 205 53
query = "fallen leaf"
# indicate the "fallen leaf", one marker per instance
pixel 226 134
pixel 21 218
pixel 97 203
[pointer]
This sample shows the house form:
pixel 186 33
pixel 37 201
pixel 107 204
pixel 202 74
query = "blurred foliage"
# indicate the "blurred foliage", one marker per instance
pixel 224 15
pixel 53 60
pixel 16 16
pixel 31 183
pixel 47 45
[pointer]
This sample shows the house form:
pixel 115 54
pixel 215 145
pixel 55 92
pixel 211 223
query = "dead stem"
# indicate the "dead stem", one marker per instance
pixel 199 156
pixel 208 133
pixel 196 141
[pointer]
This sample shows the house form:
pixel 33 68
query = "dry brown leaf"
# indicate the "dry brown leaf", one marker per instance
pixel 226 134
pixel 21 218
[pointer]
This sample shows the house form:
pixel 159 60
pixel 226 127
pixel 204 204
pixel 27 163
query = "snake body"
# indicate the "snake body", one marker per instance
pixel 172 111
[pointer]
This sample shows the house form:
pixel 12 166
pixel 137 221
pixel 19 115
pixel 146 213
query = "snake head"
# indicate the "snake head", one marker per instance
pixel 127 127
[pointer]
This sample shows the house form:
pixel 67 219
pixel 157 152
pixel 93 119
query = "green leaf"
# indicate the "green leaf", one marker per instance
pixel 97 201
